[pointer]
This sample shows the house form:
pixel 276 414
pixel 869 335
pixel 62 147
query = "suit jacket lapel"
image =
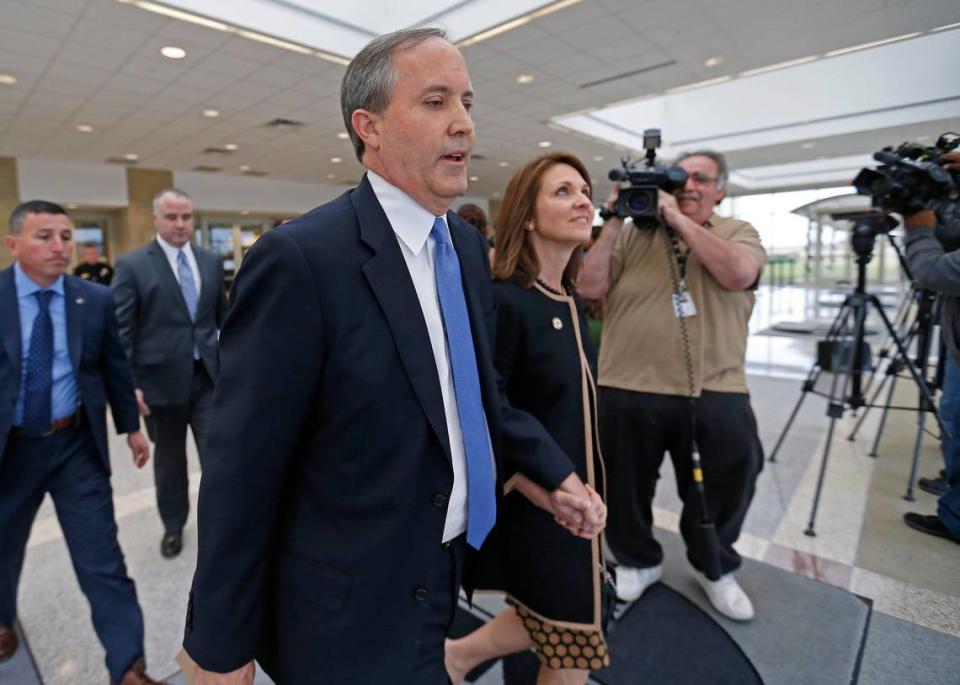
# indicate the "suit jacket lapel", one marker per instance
pixel 75 306
pixel 10 312
pixel 162 267
pixel 387 273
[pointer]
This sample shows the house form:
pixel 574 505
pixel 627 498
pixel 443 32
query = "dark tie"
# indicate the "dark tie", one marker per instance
pixel 187 285
pixel 481 494
pixel 38 384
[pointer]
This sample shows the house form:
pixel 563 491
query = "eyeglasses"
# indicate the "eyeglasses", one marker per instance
pixel 700 178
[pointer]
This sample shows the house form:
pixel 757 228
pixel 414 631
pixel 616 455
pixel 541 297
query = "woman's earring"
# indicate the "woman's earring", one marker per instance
pixel 529 225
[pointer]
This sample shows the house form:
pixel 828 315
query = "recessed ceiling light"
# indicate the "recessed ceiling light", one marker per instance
pixel 598 158
pixel 343 135
pixel 336 160
pixel 8 79
pixel 231 146
pixel 525 78
pixel 211 113
pixel 503 164
pixel 331 175
pixel 544 143
pixel 72 205
pixel 244 167
pixel 173 52
pixel 715 61
pixel 84 128
pixel 245 212
pixel 474 178
pixel 496 193
pixel 132 156
pixel 808 145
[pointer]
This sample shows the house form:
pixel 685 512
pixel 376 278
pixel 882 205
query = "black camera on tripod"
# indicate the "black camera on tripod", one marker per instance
pixel 638 200
pixel 911 177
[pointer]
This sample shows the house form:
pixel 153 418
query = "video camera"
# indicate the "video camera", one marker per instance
pixel 638 200
pixel 910 177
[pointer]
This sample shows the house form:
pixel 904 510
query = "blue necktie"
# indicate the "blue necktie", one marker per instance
pixel 187 284
pixel 38 384
pixel 481 494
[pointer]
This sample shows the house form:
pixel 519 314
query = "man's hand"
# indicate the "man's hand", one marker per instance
pixel 588 530
pixel 139 448
pixel 141 405
pixel 242 676
pixel 925 218
pixel 668 208
pixel 573 507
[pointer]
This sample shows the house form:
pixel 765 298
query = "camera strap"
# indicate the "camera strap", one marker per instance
pixel 706 529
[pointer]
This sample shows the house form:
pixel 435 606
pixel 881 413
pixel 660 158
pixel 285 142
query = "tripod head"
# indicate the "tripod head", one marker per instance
pixel 866 227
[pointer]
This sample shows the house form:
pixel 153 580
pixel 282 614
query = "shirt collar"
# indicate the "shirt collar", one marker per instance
pixel 172 250
pixel 27 287
pixel 411 222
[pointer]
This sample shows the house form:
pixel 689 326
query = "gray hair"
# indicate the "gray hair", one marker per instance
pixel 370 76
pixel 723 172
pixel 175 192
pixel 20 212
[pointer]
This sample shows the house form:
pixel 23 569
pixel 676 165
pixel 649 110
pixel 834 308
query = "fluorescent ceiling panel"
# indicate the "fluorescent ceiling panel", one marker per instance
pixel 901 83
pixel 338 27
pixel 836 170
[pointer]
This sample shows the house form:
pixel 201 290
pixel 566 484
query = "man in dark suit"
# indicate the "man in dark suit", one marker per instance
pixel 60 363
pixel 170 305
pixel 359 439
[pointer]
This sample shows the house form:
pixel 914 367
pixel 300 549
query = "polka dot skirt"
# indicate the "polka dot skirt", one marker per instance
pixel 560 647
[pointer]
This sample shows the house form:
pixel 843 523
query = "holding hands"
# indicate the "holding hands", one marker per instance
pixel 574 505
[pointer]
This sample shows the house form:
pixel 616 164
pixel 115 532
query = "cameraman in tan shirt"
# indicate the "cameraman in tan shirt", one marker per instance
pixel 645 385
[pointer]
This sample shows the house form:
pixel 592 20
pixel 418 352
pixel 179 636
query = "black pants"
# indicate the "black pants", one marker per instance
pixel 637 428
pixel 68 466
pixel 167 427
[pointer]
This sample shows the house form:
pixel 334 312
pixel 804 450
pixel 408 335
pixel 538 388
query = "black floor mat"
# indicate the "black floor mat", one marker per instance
pixel 664 639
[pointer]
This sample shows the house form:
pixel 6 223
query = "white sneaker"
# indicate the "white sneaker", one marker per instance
pixel 726 596
pixel 633 582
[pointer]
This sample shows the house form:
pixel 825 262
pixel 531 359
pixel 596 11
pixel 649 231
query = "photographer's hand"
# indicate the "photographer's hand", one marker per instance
pixel 594 281
pixel 925 218
pixel 951 160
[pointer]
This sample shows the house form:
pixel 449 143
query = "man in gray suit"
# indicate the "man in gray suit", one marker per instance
pixel 170 305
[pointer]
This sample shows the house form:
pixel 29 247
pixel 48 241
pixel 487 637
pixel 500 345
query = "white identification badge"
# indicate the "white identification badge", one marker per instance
pixel 683 305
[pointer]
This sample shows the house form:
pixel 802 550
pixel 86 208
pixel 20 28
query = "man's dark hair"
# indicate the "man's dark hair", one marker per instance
pixel 370 76
pixel 31 207
pixel 723 171
pixel 475 216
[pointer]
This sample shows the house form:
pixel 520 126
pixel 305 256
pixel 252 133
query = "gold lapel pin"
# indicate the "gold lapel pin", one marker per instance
pixel 557 323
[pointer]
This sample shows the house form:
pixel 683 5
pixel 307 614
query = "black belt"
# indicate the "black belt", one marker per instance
pixel 54 427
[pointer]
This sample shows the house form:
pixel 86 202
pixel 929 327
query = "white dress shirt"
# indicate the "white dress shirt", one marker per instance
pixel 412 225
pixel 171 252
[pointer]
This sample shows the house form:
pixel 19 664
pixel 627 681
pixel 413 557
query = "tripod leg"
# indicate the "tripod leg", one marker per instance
pixel 922 419
pixel 808 385
pixel 870 405
pixel 838 325
pixel 927 397
pixel 883 417
pixel 834 411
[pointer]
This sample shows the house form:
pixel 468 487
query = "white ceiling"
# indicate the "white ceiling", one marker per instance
pixel 97 62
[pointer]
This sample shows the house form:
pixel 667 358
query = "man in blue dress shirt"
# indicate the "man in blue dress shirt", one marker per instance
pixel 61 362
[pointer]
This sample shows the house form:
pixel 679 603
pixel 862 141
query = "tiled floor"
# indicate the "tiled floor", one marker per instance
pixel 857 527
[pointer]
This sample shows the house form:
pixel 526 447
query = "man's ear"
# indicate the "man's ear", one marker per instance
pixel 11 243
pixel 723 194
pixel 366 125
